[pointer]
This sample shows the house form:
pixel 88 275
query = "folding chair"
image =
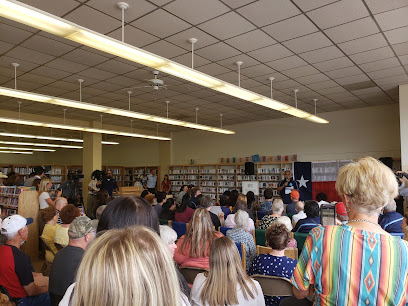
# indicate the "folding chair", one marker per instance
pixel 274 285
pixel 260 238
pixel 224 230
pixel 300 240
pixel 190 273
pixel 242 253
pixel 46 263
pixel 260 214
pixel 165 222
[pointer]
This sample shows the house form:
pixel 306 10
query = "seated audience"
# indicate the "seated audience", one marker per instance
pixel 67 215
pixel 144 193
pixel 224 205
pixel 50 218
pixel 226 283
pixel 168 210
pixel 267 205
pixel 313 218
pixel 16 270
pixel 207 203
pixel 39 173
pixel 243 197
pixel 60 203
pixel 233 197
pixel 252 205
pixel 193 248
pixel 160 199
pixel 294 198
pixel 300 209
pixel 129 266
pixel 193 202
pixel 102 198
pixel 81 233
pixel 183 191
pixel 98 215
pixel 390 220
pixel 230 221
pixel 321 198
pixel 277 210
pixel 341 214
pixel 43 193
pixel 127 211
pixel 150 198
pixel 217 210
pixel 359 248
pixel 404 226
pixel 239 235
pixel 183 211
pixel 169 237
pixel 292 244
pixel 275 263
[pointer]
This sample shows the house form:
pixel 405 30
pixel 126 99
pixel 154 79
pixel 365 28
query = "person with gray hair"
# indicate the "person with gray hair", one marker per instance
pixel 391 220
pixel 277 210
pixel 300 208
pixel 239 235
pixel 60 203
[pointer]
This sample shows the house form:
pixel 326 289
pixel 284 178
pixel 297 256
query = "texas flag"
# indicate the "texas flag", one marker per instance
pixel 316 177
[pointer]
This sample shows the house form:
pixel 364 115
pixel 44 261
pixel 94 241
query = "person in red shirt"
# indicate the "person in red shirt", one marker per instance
pixel 16 270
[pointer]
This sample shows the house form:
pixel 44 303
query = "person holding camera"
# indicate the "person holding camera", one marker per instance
pixel 93 188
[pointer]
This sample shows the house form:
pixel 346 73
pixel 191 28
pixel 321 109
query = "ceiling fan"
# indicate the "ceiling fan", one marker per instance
pixel 155 83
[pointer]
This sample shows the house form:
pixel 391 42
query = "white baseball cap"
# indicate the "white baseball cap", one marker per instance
pixel 14 223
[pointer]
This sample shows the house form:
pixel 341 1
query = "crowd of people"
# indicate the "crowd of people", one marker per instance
pixel 124 257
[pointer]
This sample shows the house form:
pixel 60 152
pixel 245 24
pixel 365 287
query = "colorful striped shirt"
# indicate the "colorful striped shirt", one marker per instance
pixel 348 266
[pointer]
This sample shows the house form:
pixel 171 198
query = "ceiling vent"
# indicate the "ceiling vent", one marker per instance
pixel 360 85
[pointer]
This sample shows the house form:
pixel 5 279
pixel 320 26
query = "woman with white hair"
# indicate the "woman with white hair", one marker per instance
pixel 292 244
pixel 239 235
pixel 358 263
pixel 277 210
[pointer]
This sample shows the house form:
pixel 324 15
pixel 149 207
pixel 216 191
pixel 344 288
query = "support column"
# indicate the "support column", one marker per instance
pixel 403 111
pixel 164 159
pixel 91 159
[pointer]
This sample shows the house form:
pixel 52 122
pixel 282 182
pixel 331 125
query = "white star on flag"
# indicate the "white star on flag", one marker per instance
pixel 302 182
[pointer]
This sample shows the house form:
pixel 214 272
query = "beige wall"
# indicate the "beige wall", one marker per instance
pixel 350 134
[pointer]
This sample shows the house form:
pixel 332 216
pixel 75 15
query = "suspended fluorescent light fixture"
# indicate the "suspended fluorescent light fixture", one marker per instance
pixel 78 128
pixel 16 152
pixel 38 144
pixel 27 149
pixel 9 92
pixel 44 21
pixel 52 138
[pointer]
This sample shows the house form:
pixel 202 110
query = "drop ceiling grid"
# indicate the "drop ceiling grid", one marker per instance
pixel 224 62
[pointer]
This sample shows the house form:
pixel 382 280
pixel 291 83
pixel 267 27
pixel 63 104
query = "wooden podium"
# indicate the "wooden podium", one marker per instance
pixel 131 190
pixel 28 207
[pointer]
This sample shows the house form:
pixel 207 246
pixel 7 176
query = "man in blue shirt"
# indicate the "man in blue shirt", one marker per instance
pixel 390 220
pixel 109 183
pixel 151 181
pixel 294 198
pixel 286 186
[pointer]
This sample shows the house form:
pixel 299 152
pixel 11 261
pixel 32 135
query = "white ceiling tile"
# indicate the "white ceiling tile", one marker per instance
pixel 265 12
pixel 323 85
pixel 181 39
pixel 338 13
pixel 291 28
pixel 217 51
pixel 310 79
pixel 378 6
pixel 397 36
pixel 363 44
pixel 161 24
pixel 312 4
pixel 134 37
pixel 92 19
pixel 34 78
pixel 213 69
pixel 287 63
pixel 65 65
pixel 337 63
pixel 6 61
pixel 123 81
pixel 372 55
pixel 231 77
pixel 386 73
pixel 18 25
pixel 4 47
pixel 401 49
pixel 97 74
pixel 352 30
pixel 165 49
pixel 186 60
pixel 74 80
pixel 353 79
pixel 34 56
pixel 49 6
pixel 136 8
pixel 257 70
pixel 12 34
pixel 50 72
pixel 393 19
pixel 47 45
pixel 291 84
pixel 381 64
pixel 403 59
pixel 66 85
pixel 270 53
pixel 196 11
pixel 227 26
pixel 84 57
pixel 231 62
pixel 322 54
pixel 250 41
pixel 249 83
pixel 300 71
pixel 115 66
pixel 308 42
pixel 344 72
pixel 265 78
pixel 237 3
pixel 331 90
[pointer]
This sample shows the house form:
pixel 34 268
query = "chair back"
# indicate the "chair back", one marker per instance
pixel 224 230
pixel 260 214
pixel 300 240
pixel 274 285
pixel 190 273
pixel 260 238
pixel 290 216
pixel 58 246
pixel 180 228
pixel 290 253
pixel 47 246
pixel 242 253
pixel 165 222
pixel 401 235
pixel 226 211
pixel 257 222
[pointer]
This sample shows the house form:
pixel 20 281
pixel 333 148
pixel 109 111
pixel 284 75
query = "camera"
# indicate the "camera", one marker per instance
pixel 75 175
pixel 98 175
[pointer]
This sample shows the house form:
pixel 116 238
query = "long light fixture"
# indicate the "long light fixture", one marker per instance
pixel 52 138
pixel 20 94
pixel 16 152
pixel 39 144
pixel 27 149
pixel 44 21
pixel 78 128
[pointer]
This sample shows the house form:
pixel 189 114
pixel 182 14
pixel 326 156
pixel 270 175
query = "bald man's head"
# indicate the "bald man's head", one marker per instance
pixel 299 206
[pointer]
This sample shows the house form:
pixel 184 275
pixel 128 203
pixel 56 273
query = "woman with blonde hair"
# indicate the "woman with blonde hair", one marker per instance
pixel 130 266
pixel 226 282
pixel 193 248
pixel 44 197
pixel 358 259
